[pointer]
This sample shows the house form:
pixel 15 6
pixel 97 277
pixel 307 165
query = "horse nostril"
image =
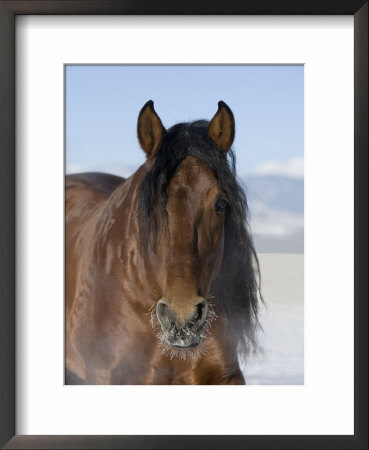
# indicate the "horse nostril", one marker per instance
pixel 168 318
pixel 200 314
pixel 164 315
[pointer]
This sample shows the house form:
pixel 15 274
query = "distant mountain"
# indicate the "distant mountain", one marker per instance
pixel 276 206
pixel 276 192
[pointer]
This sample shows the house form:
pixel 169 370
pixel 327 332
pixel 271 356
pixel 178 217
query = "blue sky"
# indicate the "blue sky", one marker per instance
pixel 103 102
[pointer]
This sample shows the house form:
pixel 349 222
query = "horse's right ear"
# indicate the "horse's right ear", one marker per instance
pixel 150 130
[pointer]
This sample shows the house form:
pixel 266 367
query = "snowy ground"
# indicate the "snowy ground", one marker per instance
pixel 282 361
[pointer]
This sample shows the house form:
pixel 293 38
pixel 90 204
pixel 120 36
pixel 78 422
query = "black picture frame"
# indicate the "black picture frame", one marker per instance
pixel 8 12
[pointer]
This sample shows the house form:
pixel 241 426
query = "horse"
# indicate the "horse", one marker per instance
pixel 161 271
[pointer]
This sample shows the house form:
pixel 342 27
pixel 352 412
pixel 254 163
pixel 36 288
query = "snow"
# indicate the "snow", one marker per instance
pixel 282 319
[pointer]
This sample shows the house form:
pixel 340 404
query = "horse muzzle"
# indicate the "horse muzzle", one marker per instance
pixel 182 332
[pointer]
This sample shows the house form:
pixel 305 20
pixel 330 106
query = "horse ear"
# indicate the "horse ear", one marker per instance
pixel 221 127
pixel 150 130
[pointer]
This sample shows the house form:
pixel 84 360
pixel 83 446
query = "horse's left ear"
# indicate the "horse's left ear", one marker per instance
pixel 221 127
pixel 150 130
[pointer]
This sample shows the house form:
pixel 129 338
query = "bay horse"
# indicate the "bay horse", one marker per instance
pixel 160 268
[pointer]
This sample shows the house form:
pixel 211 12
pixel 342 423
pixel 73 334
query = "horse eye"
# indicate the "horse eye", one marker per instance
pixel 220 204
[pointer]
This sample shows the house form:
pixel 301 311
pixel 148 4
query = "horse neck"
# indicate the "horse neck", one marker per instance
pixel 118 217
pixel 118 231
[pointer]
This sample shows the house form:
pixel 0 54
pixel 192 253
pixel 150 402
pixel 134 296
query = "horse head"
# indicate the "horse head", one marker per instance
pixel 185 199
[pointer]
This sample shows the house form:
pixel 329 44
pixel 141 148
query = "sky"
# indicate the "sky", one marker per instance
pixel 103 102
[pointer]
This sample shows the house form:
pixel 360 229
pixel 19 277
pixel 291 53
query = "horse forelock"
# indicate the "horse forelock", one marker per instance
pixel 236 288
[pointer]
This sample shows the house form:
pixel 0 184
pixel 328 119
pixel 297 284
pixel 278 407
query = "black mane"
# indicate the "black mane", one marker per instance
pixel 235 290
